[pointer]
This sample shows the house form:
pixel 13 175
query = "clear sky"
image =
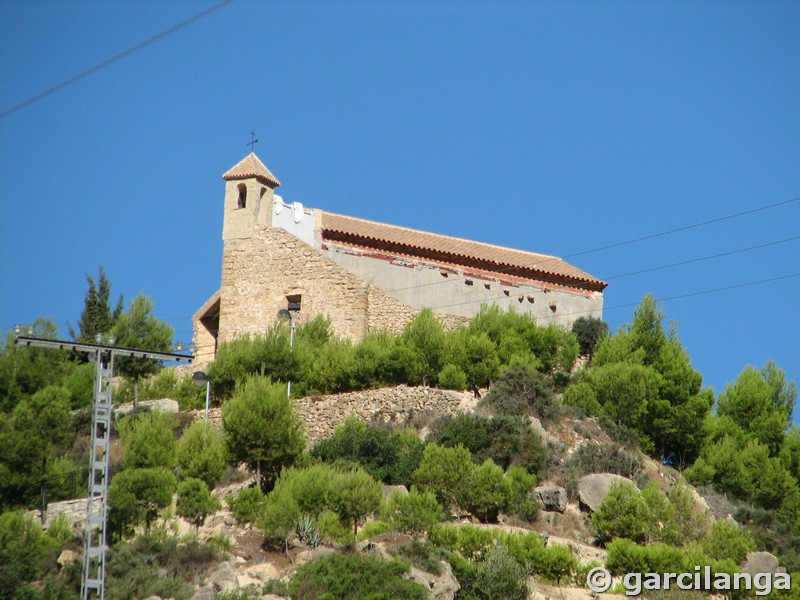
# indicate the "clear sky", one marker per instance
pixel 557 127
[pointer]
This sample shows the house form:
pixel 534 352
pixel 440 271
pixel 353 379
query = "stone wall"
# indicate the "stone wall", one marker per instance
pixel 259 273
pixel 399 405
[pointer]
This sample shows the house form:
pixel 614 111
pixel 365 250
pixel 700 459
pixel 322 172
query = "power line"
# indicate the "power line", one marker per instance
pixel 695 260
pixel 684 228
pixel 700 293
pixel 113 59
pixel 552 260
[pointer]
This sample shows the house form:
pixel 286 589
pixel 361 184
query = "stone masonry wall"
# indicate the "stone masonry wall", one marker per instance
pixel 399 405
pixel 258 274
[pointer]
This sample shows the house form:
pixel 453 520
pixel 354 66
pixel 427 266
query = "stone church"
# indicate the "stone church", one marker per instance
pixel 364 275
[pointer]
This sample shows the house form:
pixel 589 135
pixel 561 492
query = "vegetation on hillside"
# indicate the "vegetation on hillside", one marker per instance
pixel 637 389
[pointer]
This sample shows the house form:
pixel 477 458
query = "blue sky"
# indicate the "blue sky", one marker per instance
pixel 557 127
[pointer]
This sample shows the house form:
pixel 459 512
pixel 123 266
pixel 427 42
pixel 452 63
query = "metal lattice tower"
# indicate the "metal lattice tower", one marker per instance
pixel 93 584
pixel 94 564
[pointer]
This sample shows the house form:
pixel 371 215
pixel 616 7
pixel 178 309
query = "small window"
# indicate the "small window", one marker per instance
pixel 242 203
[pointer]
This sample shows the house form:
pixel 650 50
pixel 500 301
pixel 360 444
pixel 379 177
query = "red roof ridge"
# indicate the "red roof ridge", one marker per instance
pixel 409 239
pixel 251 166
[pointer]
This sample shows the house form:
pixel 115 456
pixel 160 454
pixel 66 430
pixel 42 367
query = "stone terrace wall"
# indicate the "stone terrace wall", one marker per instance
pixel 397 405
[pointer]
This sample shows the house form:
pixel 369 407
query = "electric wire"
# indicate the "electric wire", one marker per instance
pixel 553 260
pixel 113 59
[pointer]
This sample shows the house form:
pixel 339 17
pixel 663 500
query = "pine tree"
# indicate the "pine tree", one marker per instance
pixel 96 316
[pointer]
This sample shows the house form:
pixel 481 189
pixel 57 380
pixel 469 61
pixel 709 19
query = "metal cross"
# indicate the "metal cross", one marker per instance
pixel 253 140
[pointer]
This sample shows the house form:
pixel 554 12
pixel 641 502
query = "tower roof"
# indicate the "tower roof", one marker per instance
pixel 251 166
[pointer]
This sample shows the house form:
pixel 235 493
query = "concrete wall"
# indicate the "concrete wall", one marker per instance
pixel 418 285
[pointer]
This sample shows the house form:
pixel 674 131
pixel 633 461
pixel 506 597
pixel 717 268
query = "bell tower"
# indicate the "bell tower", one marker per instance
pixel 249 193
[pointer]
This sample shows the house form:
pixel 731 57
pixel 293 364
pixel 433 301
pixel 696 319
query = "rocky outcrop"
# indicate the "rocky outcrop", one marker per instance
pixel 165 405
pixel 762 562
pixel 440 587
pixel 592 489
pixel 550 497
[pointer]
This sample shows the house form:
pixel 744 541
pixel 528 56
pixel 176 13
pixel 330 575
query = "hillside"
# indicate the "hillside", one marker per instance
pixel 500 460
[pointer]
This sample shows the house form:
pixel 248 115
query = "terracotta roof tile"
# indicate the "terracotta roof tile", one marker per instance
pixel 436 247
pixel 251 166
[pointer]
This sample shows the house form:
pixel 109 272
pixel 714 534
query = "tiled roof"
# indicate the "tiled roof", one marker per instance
pixel 438 248
pixel 251 166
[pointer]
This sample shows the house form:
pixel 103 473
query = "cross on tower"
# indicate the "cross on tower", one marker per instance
pixel 253 140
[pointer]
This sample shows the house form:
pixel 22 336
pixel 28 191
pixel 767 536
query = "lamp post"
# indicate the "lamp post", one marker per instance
pixel 201 378
pixel 290 313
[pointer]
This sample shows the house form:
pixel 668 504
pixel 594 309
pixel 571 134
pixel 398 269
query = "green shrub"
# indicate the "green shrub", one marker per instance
pixel 557 564
pixel 508 441
pixel 622 514
pixel 414 513
pixel 589 331
pixel 606 458
pixel 353 577
pixel 201 453
pixel 195 502
pixel 452 377
pixel 248 505
pixel 522 392
pixel 23 551
pixel 500 577
pixel 389 455
pixel 582 396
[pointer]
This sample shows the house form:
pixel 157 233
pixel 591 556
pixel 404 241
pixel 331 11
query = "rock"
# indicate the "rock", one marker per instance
pixel 224 579
pixel 311 555
pixel 440 587
pixel 761 562
pixel 592 489
pixel 204 593
pixel 166 405
pixel 551 497
pixel 389 489
pixel 536 425
pixel 67 557
pixel 550 518
pixel 263 572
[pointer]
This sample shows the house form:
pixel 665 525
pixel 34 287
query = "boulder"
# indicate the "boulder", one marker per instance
pixel 592 489
pixel 440 587
pixel 761 562
pixel 166 405
pixel 550 497
pixel 308 556
pixel 550 518
pixel 67 557
pixel 204 593
pixel 224 579
pixel 263 572
pixel 389 489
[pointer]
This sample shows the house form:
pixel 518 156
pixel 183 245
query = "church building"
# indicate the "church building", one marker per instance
pixel 364 275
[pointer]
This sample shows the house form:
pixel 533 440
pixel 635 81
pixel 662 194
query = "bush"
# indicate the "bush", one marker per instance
pixel 508 441
pixel 589 331
pixel 500 577
pixel 452 377
pixel 522 392
pixel 414 513
pixel 248 505
pixel 606 458
pixel 622 514
pixel 557 564
pixel 201 453
pixel 195 502
pixel 23 549
pixel 353 577
pixel 389 455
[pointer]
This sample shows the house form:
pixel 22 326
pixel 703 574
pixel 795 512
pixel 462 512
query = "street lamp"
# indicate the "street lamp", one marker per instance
pixel 201 378
pixel 290 313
